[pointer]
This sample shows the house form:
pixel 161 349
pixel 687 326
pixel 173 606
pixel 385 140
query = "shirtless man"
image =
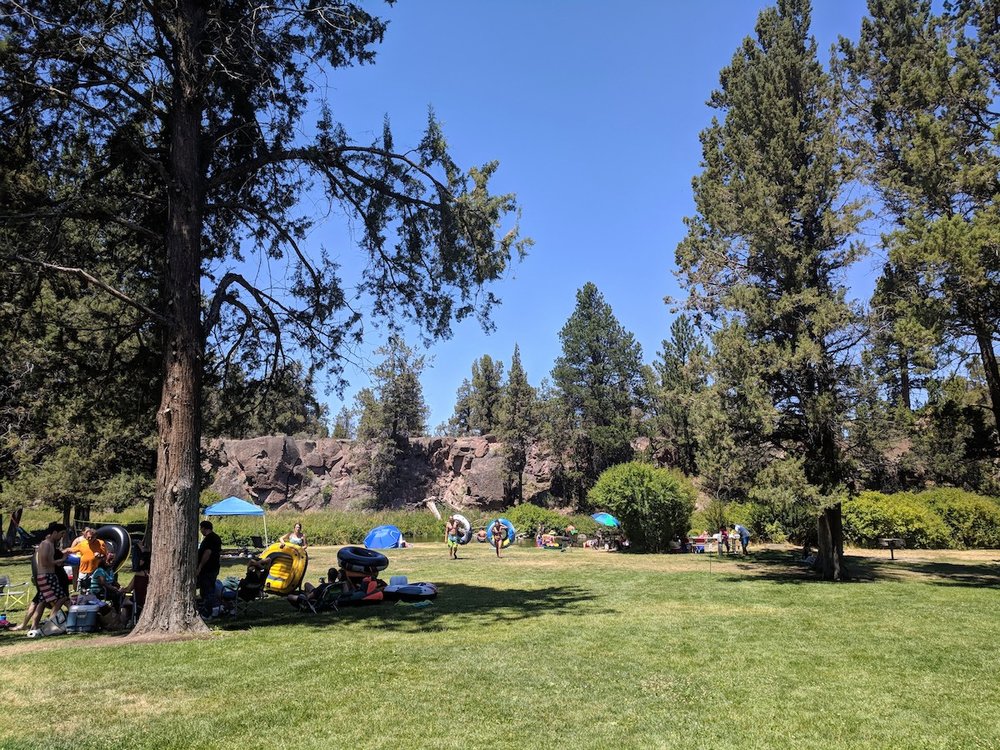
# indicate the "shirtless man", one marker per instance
pixel 51 589
pixel 451 536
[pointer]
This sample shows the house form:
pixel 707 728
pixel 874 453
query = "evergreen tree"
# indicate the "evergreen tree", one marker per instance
pixel 680 376
pixel 205 101
pixel 923 89
pixel 485 394
pixel 518 426
pixel 765 254
pixel 459 422
pixel 599 382
pixel 345 424
pixel 391 413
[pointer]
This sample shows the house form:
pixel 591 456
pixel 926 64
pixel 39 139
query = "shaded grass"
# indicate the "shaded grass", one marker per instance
pixel 577 648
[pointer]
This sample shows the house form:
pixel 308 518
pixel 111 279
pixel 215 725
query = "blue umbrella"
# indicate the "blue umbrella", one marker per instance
pixel 606 519
pixel 384 537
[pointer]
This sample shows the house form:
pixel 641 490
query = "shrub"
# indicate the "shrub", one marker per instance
pixel 652 504
pixel 872 515
pixel 973 520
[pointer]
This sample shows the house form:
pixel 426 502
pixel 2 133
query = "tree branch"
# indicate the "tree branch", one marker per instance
pixel 90 279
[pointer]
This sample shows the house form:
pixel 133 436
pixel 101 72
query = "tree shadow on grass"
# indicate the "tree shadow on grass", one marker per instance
pixel 457 606
pixel 787 567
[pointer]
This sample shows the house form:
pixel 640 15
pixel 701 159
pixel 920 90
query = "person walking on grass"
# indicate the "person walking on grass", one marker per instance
pixel 497 532
pixel 451 537
pixel 51 589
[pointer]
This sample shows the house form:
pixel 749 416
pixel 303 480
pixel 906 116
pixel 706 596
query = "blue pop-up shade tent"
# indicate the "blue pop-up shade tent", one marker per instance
pixel 606 519
pixel 384 537
pixel 234 506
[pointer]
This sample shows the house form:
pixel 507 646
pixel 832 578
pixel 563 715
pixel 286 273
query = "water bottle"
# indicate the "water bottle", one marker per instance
pixel 3 619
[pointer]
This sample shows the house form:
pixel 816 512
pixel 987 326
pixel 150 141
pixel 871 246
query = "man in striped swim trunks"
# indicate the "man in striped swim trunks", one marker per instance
pixel 51 590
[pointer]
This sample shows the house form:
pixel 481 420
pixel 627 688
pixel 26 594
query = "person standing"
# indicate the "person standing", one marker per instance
pixel 209 557
pixel 91 551
pixel 51 589
pixel 497 532
pixel 744 535
pixel 451 537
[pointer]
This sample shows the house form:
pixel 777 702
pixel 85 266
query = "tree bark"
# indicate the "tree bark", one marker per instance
pixel 830 556
pixel 984 338
pixel 170 604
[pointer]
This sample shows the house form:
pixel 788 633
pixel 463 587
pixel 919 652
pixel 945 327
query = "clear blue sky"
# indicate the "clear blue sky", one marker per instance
pixel 593 110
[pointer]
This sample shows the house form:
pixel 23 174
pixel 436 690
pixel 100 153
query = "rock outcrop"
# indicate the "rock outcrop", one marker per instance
pixel 306 474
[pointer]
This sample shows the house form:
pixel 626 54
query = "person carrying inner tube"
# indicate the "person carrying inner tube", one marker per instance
pixel 498 531
pixel 451 536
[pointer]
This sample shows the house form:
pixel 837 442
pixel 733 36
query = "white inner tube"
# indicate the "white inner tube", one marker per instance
pixel 464 528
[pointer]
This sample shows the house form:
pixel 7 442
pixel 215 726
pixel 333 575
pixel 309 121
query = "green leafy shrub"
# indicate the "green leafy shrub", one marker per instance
pixel 872 515
pixel 973 520
pixel 652 504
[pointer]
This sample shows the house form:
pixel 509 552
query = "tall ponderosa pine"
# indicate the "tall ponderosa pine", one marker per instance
pixel 765 253
pixel 923 89
pixel 204 102
pixel 599 381
pixel 485 394
pixel 518 426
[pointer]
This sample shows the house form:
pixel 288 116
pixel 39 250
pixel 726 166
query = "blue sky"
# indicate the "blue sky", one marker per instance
pixel 593 111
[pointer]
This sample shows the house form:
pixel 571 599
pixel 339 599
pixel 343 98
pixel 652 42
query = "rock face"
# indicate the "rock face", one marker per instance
pixel 282 472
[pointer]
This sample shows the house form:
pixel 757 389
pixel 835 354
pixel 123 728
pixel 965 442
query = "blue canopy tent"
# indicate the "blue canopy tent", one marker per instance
pixel 606 519
pixel 234 506
pixel 384 537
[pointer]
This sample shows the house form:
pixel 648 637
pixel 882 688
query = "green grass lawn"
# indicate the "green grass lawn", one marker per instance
pixel 578 649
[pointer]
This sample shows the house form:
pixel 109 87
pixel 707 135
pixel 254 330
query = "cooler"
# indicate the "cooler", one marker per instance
pixel 82 618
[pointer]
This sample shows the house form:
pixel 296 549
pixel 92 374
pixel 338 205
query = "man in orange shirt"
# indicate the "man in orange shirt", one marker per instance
pixel 91 551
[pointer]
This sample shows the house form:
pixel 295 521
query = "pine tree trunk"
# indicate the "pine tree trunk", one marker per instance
pixel 985 340
pixel 830 557
pixel 170 605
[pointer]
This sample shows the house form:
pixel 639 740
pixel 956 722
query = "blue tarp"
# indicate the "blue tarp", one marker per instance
pixel 605 519
pixel 384 537
pixel 234 506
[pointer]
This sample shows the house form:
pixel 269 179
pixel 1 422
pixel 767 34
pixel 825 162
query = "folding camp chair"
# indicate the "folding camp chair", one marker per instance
pixel 250 592
pixel 13 593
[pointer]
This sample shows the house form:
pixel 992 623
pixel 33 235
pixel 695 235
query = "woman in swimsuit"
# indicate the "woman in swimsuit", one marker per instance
pixel 295 536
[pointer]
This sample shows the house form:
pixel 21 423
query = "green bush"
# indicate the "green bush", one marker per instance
pixel 973 520
pixel 652 504
pixel 872 515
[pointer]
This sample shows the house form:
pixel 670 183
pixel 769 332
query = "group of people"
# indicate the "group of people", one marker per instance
pixel 94 579
pixel 726 538
pixel 453 535
pixel 210 562
pixel 337 586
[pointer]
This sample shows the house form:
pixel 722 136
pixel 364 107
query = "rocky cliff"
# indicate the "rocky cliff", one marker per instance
pixel 283 472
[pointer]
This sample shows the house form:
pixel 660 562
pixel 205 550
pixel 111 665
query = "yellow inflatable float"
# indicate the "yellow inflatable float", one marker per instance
pixel 288 563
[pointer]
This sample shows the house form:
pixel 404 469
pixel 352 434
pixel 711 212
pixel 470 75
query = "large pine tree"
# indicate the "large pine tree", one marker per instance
pixel 923 89
pixel 206 102
pixel 599 380
pixel 765 253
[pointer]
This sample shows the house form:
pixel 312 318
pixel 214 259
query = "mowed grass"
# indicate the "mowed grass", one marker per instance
pixel 578 649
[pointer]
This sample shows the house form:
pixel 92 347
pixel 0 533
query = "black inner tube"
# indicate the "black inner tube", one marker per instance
pixel 361 559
